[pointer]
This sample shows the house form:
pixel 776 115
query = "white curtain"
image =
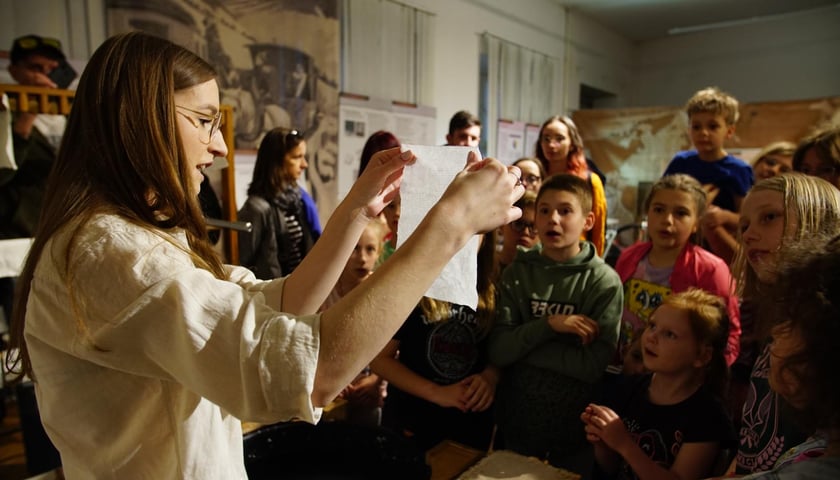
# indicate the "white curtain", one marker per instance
pixel 517 84
pixel 386 51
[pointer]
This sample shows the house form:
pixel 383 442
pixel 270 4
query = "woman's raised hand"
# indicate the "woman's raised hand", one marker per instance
pixel 481 196
pixel 377 186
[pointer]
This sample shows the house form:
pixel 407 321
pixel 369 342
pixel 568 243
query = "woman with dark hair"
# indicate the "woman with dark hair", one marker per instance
pixel 560 149
pixel 146 351
pixel 283 230
pixel 379 140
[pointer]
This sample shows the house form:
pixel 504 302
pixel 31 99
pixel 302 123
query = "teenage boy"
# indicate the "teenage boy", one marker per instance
pixel 464 130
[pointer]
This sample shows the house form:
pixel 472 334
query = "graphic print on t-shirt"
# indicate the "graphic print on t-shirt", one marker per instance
pixel 642 298
pixel 542 308
pixel 452 350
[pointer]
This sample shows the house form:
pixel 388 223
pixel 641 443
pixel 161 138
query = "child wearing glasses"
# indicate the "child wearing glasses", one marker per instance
pixel 519 234
pixel 555 331
pixel 533 173
pixel 283 226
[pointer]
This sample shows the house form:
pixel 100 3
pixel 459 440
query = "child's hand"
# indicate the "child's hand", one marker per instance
pixel 586 418
pixel 605 425
pixel 478 394
pixel 711 192
pixel 366 392
pixel 449 396
pixel 580 325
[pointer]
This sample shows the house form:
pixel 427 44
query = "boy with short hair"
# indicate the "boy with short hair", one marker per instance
pixel 556 329
pixel 712 115
pixel 464 130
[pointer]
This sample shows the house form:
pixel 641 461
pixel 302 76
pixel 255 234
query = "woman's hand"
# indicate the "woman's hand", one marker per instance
pixel 380 181
pixel 481 196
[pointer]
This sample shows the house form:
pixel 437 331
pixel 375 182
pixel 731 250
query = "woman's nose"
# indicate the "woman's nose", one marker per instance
pixel 217 145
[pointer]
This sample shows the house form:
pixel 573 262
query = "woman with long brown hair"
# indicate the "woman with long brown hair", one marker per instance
pixel 146 351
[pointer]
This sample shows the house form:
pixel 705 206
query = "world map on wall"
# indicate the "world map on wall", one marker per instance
pixel 633 146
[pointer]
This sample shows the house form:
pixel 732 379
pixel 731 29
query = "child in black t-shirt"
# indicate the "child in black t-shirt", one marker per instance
pixel 670 420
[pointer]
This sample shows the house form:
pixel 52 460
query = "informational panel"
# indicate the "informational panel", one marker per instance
pixel 532 136
pixel 510 141
pixel 359 117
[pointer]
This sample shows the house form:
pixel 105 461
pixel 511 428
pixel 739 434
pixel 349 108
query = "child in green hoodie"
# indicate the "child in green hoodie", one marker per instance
pixel 556 329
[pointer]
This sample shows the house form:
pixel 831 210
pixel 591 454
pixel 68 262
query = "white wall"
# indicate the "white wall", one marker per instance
pixel 535 24
pixel 78 24
pixel 600 58
pixel 788 59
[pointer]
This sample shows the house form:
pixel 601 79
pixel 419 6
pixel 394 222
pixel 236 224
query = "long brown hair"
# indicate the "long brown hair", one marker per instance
pixel 121 154
pixel 488 273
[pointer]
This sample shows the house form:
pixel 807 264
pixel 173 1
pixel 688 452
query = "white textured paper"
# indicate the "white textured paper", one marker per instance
pixel 422 186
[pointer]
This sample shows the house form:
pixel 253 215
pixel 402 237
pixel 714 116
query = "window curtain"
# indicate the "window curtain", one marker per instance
pixel 386 51
pixel 518 84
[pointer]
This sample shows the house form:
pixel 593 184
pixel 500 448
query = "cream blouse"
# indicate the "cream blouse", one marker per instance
pixel 168 358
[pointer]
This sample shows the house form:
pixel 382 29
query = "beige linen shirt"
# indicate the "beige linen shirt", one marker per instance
pixel 149 372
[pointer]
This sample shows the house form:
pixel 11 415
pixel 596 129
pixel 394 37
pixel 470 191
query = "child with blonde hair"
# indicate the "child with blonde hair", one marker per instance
pixel 777 213
pixel 802 309
pixel 670 420
pixel 366 394
pixel 712 115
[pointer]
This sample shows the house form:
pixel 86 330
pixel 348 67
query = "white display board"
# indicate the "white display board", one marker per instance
pixel 510 141
pixel 359 117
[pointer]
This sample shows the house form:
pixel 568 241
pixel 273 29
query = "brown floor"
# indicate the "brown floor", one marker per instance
pixel 12 456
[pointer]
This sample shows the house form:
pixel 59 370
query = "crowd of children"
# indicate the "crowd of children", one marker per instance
pixel 689 359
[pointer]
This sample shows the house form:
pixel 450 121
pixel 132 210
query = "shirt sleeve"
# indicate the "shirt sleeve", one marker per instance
pixel 150 312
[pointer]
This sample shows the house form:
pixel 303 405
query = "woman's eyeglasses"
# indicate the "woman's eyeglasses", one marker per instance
pixel 521 225
pixel 209 124
pixel 531 180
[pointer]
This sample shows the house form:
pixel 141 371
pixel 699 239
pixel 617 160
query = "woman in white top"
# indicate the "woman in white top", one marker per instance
pixel 147 351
